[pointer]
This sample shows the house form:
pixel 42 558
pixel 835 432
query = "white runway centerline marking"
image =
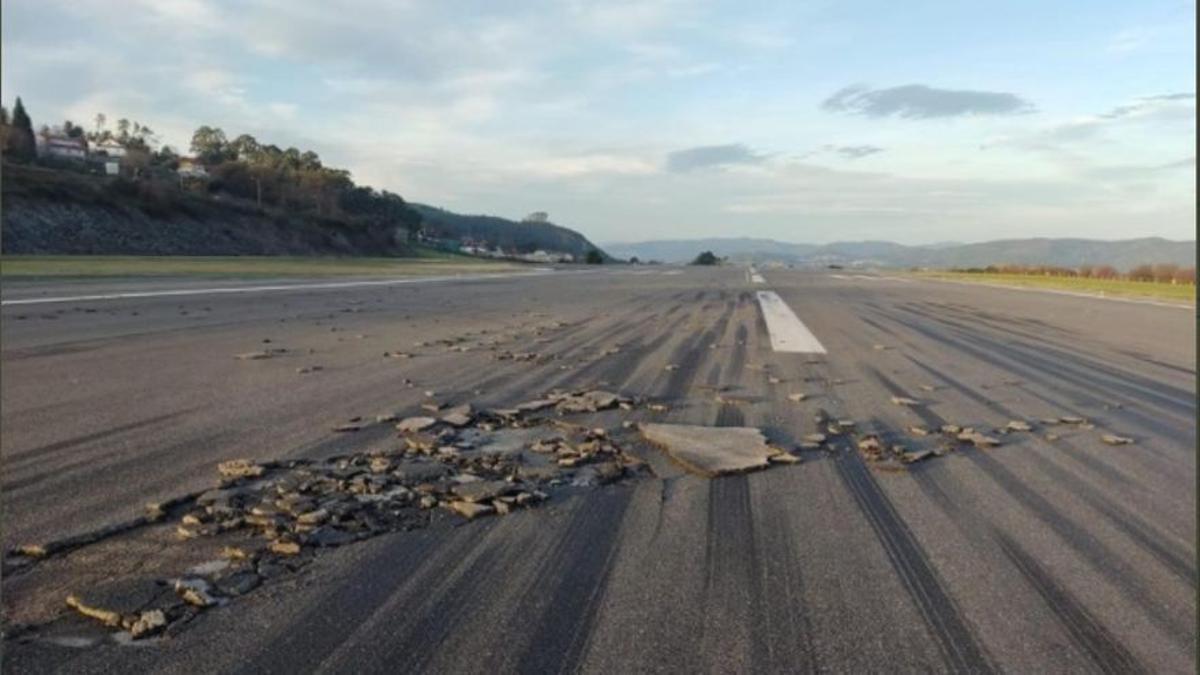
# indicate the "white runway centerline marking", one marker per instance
pixel 757 278
pixel 265 289
pixel 788 333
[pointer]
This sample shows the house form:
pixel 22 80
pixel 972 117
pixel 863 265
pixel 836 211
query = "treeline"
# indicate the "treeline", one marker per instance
pixel 1163 273
pixel 293 179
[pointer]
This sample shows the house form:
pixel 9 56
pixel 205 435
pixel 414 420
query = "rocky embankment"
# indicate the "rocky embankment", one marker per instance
pixel 46 225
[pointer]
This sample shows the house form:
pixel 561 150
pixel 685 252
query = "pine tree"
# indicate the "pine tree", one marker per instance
pixel 20 144
pixel 20 118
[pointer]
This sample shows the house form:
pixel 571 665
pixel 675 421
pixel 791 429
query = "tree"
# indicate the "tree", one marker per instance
pixel 20 118
pixel 594 257
pixel 244 148
pixel 1165 273
pixel 209 144
pixel 706 258
pixel 72 130
pixel 167 157
pixel 19 142
pixel 3 115
pixel 633 260
pixel 536 217
pixel 1142 273
pixel 310 161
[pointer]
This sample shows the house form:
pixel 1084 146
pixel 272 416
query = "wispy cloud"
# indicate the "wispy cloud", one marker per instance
pixel 855 151
pixel 918 101
pixel 706 156
pixel 1148 104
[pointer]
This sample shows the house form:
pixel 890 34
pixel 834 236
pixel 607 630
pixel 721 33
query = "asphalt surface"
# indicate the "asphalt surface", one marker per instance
pixel 1036 556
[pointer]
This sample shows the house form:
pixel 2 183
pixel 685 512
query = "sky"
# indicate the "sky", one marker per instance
pixel 915 122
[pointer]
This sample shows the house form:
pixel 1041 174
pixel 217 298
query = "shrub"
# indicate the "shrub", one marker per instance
pixel 1142 273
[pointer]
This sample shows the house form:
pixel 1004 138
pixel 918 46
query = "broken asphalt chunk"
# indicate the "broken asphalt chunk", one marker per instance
pixel 239 468
pixel 415 424
pixel 711 451
pixel 471 510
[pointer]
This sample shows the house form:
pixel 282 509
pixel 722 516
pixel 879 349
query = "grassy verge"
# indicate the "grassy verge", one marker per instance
pixel 1105 287
pixel 428 262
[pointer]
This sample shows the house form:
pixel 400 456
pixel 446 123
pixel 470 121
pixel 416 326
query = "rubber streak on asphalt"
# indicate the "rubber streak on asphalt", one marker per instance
pixel 788 333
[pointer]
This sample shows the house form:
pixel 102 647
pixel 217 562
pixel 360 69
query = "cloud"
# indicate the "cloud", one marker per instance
pixel 1154 112
pixel 1126 172
pixel 1148 104
pixel 583 165
pixel 855 151
pixel 917 101
pixel 1180 164
pixel 682 161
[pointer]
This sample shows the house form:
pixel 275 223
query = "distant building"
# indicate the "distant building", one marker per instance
pixel 548 257
pixel 63 147
pixel 190 167
pixel 108 147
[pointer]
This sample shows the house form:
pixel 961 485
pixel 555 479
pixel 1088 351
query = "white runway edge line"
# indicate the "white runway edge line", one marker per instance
pixel 788 333
pixel 267 289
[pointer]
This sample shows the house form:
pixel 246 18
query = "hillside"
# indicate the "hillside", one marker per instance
pixel 1042 251
pixel 48 211
pixel 519 236
pixel 57 212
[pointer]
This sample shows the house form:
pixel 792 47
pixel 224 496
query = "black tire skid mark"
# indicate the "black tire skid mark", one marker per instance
pixel 731 560
pixel 1092 463
pixel 24 458
pixel 931 419
pixel 689 355
pixel 1087 374
pixel 1083 397
pixel 569 352
pixel 584 560
pixel 1134 527
pixel 1099 555
pixel 338 614
pixel 1090 637
pixel 961 652
pixel 1105 651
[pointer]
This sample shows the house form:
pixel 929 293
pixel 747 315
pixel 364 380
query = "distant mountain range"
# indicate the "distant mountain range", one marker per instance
pixel 1122 254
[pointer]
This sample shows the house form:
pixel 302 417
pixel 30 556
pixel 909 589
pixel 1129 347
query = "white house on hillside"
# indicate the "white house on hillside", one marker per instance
pixel 63 147
pixel 108 147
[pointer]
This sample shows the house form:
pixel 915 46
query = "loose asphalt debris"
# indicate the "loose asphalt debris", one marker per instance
pixel 449 463
pixel 263 520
